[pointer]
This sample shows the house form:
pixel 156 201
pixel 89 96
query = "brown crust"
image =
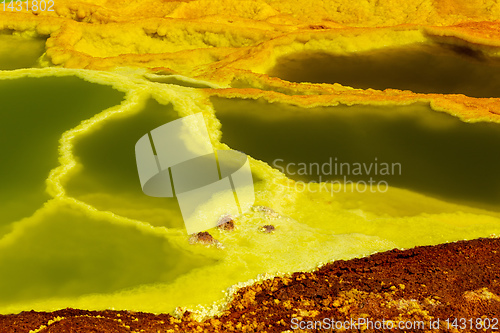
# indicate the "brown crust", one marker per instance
pixel 456 280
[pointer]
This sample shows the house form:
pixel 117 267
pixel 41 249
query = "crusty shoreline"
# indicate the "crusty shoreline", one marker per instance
pixel 455 280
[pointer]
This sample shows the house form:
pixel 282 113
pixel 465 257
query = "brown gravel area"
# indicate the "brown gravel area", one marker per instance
pixel 412 287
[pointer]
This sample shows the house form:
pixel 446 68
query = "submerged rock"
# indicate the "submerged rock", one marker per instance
pixel 204 238
pixel 268 212
pixel 268 228
pixel 227 226
pixel 226 223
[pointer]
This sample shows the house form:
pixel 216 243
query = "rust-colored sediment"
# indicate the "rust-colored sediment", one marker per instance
pixel 456 280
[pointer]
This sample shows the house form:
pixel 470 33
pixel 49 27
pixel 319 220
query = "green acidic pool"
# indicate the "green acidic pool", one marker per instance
pixel 97 242
pixel 35 114
pixel 410 147
pixel 422 69
pixel 18 51
pixel 109 181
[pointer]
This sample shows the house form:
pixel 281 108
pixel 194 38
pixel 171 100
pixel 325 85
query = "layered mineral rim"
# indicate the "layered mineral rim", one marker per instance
pixel 228 49
pixel 196 39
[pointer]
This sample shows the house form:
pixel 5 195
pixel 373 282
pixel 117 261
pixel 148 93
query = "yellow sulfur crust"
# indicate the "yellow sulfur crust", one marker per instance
pixel 228 41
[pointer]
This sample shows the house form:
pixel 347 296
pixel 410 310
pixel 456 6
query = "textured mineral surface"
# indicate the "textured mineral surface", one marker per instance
pixel 406 91
pixel 444 288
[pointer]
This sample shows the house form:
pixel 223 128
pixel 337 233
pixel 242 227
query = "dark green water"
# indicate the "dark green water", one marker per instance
pixel 421 69
pixel 109 180
pixel 19 52
pixel 73 253
pixel 439 155
pixel 35 113
pixel 70 255
pixel 173 80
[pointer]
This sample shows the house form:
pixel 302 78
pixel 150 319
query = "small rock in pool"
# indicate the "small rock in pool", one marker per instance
pixel 267 228
pixel 268 212
pixel 227 226
pixel 204 238
pixel 226 223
